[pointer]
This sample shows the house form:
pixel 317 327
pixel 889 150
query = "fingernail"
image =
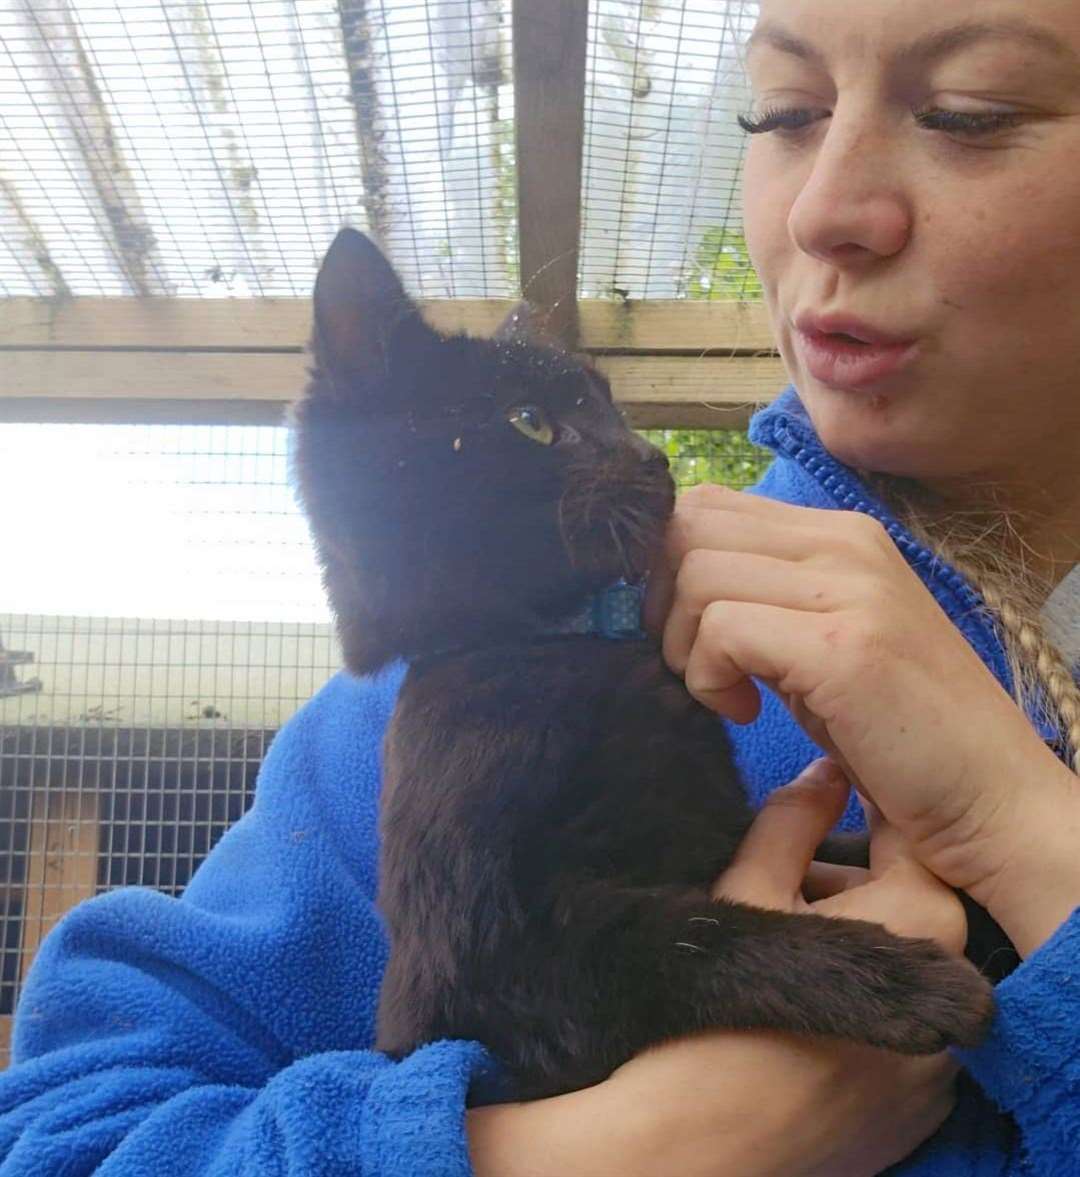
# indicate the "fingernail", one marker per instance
pixel 823 770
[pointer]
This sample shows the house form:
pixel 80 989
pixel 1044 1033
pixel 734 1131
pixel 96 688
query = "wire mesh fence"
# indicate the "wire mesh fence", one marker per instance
pixel 157 634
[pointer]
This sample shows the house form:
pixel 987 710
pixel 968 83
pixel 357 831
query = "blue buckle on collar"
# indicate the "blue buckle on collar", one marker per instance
pixel 616 612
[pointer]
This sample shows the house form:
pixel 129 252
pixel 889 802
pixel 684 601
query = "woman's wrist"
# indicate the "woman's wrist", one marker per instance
pixel 573 1133
pixel 1036 888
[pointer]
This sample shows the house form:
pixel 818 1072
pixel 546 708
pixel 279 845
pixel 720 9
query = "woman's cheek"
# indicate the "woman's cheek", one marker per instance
pixel 766 207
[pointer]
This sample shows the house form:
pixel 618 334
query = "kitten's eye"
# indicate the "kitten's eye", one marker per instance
pixel 533 422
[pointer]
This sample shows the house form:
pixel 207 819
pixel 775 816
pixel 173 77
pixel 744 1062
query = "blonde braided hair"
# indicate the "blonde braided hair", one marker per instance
pixel 1033 656
pixel 984 546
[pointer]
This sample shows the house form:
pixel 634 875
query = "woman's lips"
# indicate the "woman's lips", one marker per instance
pixel 843 363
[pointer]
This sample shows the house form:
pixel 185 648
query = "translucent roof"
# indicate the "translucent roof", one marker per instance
pixel 211 148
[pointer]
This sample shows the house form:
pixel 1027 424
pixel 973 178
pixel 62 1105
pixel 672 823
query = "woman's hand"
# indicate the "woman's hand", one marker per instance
pixel 821 607
pixel 772 1104
pixel 755 1103
pixel 760 1104
pixel 774 866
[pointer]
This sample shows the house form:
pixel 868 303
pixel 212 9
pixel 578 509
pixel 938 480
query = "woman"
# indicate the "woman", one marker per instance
pixel 912 183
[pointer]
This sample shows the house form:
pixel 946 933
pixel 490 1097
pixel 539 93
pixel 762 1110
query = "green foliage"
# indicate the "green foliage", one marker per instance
pixel 721 269
pixel 725 456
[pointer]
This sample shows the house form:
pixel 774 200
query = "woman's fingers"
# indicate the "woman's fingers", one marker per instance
pixel 723 545
pixel 735 640
pixel 891 851
pixel 714 518
pixel 824 879
pixel 694 528
pixel 706 577
pixel 772 860
pixel 897 891
pixel 710 496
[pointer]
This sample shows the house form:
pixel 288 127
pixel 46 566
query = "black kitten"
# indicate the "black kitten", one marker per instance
pixel 555 806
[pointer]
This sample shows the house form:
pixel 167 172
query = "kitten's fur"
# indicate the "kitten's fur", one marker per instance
pixel 554 808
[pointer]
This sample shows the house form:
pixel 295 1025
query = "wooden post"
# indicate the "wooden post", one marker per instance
pixel 62 865
pixel 549 108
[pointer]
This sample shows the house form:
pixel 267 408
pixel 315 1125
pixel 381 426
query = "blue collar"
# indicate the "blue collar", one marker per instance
pixel 614 613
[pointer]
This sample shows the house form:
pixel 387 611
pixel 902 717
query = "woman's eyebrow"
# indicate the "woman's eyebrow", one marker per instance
pixel 932 46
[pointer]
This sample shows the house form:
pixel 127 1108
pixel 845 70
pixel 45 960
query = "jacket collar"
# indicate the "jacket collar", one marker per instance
pixel 805 473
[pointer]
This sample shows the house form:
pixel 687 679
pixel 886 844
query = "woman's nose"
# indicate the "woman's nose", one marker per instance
pixel 854 206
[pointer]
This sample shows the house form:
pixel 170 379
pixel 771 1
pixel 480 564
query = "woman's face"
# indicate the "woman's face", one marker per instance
pixel 923 178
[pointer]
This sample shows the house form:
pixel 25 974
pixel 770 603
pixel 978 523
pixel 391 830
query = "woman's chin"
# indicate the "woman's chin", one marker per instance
pixel 867 432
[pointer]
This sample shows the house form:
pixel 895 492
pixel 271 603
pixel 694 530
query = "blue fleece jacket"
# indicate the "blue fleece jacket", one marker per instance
pixel 229 1031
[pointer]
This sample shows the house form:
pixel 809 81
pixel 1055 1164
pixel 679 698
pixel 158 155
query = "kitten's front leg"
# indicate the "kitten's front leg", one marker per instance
pixel 668 961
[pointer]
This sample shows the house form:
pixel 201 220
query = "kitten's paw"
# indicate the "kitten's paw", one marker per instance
pixel 926 999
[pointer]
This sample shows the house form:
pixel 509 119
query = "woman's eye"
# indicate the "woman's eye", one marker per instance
pixel 533 423
pixel 777 118
pixel 953 122
pixel 963 122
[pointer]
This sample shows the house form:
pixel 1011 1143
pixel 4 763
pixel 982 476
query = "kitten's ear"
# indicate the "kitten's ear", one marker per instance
pixel 359 303
pixel 525 324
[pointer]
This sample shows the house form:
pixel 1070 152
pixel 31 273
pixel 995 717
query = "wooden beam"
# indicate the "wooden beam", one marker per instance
pixel 676 325
pixel 5 1039
pixel 284 324
pixel 183 375
pixel 238 324
pixel 550 41
pixel 691 393
pixel 254 388
pixel 678 380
